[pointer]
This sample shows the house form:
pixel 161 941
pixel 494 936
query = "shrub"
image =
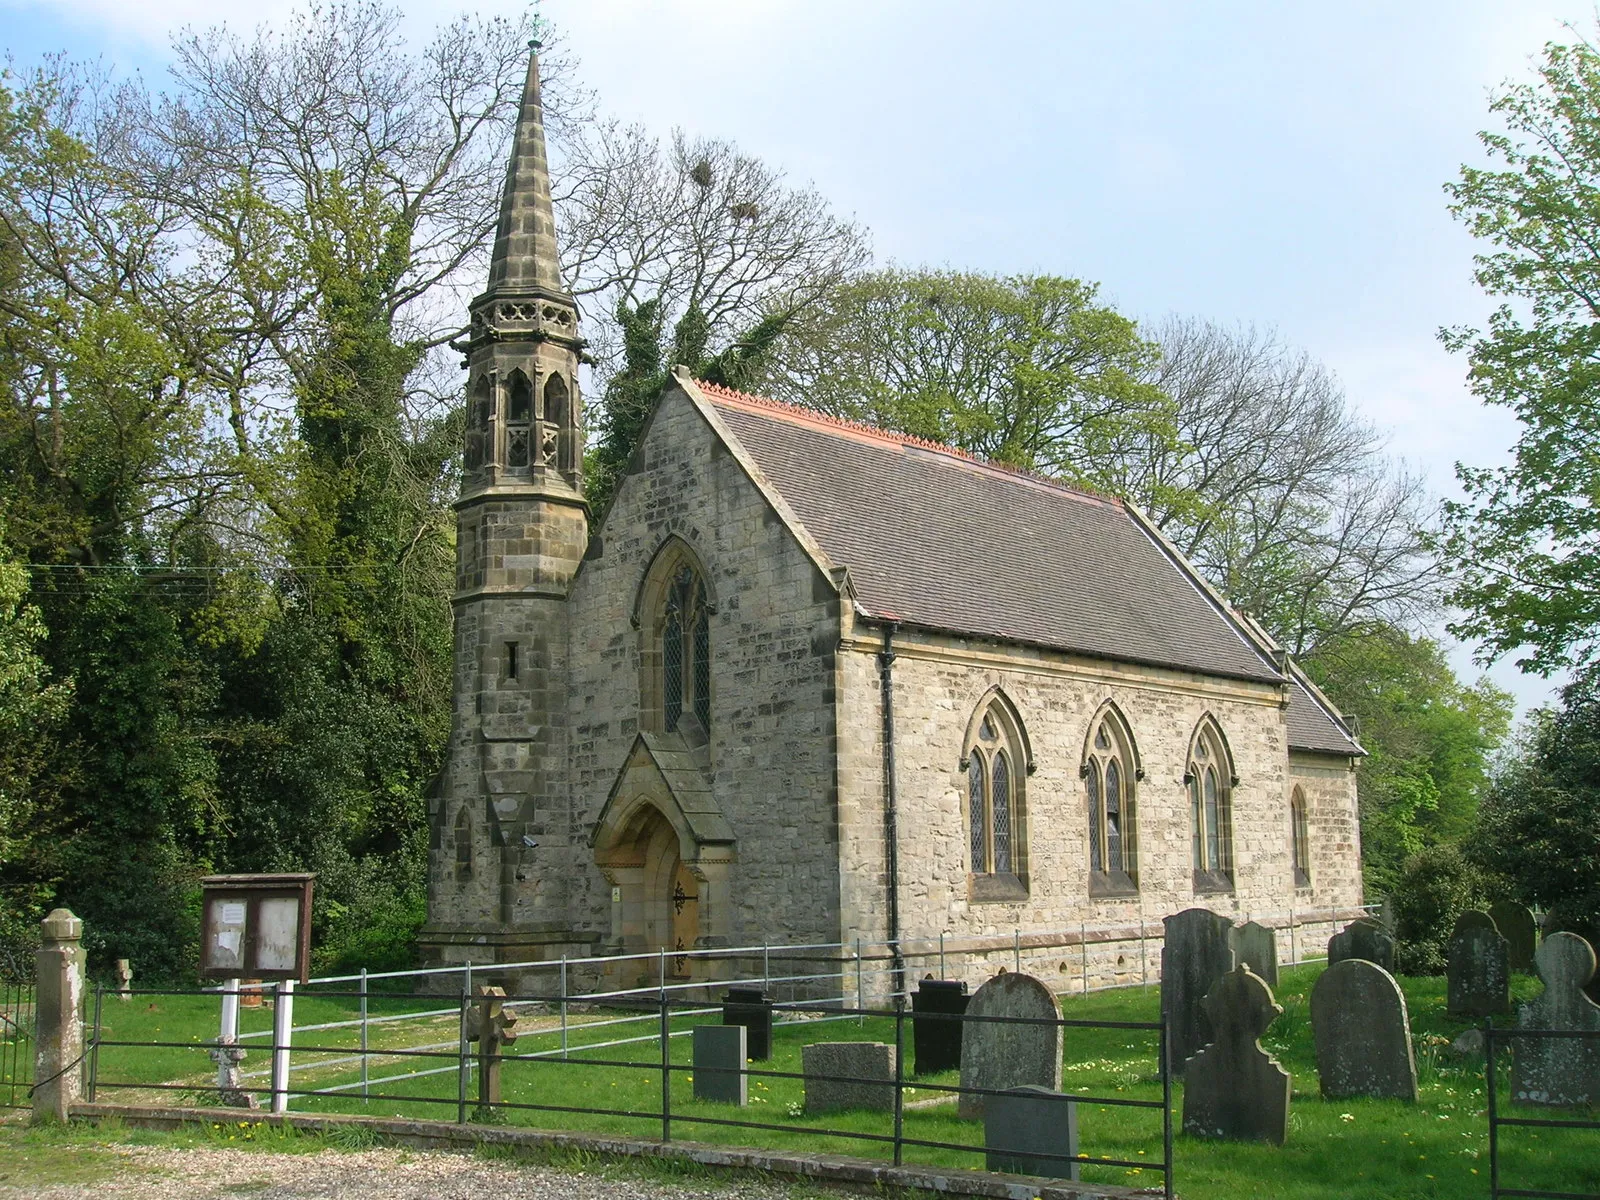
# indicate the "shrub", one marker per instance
pixel 1436 886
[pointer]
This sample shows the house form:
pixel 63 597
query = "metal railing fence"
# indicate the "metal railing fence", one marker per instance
pixel 16 1043
pixel 1497 1121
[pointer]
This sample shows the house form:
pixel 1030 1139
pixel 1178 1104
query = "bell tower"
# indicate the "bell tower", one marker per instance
pixel 499 819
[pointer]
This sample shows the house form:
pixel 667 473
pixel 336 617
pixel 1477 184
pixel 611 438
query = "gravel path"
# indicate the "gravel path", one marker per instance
pixel 162 1173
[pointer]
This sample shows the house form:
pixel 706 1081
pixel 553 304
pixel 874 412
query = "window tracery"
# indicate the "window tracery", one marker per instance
pixel 994 804
pixel 1110 774
pixel 1210 780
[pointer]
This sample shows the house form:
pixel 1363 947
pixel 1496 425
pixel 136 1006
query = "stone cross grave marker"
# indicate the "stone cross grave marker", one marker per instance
pixel 1478 975
pixel 999 1055
pixel 1233 1088
pixel 1515 923
pixel 1559 1071
pixel 1256 946
pixel 1026 1127
pixel 841 1075
pixel 492 1027
pixel 1197 951
pixel 1363 1035
pixel 719 1060
pixel 124 977
pixel 1365 939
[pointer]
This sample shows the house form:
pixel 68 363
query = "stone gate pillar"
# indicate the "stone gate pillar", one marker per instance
pixel 58 1050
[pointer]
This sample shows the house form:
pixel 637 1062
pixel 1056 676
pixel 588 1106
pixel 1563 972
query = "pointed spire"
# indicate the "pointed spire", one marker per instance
pixel 525 244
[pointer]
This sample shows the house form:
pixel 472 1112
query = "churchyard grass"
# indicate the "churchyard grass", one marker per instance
pixel 1436 1148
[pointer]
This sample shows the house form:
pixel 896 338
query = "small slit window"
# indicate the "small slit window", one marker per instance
pixel 1299 839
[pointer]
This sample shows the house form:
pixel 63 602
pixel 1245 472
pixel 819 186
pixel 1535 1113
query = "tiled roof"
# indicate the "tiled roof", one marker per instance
pixel 936 538
pixel 1311 728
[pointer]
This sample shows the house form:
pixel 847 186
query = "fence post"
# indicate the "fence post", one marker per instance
pixel 1016 950
pixel 1083 955
pixel 94 1042
pixel 899 1077
pixel 464 1064
pixel 1489 1087
pixel 563 1006
pixel 666 1070
pixel 1294 959
pixel 58 1008
pixel 860 1016
pixel 766 968
pixel 1166 1110
pixel 364 1092
pixel 942 973
pixel 282 1035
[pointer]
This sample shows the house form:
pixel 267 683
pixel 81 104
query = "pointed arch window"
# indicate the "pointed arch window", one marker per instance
pixel 1210 781
pixel 995 766
pixel 1110 773
pixel 519 419
pixel 673 613
pixel 554 437
pixel 1299 838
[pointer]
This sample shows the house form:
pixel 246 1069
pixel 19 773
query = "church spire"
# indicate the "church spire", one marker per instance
pixel 525 258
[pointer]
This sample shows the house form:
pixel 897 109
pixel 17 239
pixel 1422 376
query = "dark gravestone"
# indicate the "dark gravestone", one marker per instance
pixel 1363 1036
pixel 1198 950
pixel 1256 946
pixel 1515 923
pixel 719 1058
pixel 1365 939
pixel 1233 1088
pixel 1008 1054
pixel 1559 1071
pixel 1478 973
pixel 1026 1128
pixel 840 1075
pixel 936 1010
pixel 752 1008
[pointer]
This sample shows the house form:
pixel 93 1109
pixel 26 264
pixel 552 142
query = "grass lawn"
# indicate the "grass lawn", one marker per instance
pixel 1437 1148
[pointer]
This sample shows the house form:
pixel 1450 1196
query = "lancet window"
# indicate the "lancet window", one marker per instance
pixel 1210 780
pixel 996 767
pixel 1299 838
pixel 1110 775
pixel 519 420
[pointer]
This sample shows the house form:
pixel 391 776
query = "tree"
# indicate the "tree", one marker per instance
pixel 1429 738
pixel 1030 371
pixel 1278 491
pixel 1524 545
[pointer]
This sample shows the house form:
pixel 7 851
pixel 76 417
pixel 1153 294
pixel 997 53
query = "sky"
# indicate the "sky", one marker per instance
pixel 1262 164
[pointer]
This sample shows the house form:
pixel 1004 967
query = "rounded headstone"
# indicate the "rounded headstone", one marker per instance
pixel 1256 946
pixel 999 1055
pixel 1560 1071
pixel 1197 950
pixel 1478 975
pixel 1362 1032
pixel 1366 939
pixel 1516 924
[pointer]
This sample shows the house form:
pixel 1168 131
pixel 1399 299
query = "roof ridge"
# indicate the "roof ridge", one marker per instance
pixel 904 439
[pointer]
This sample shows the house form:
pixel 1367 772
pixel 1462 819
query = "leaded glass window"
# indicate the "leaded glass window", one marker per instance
pixel 1109 779
pixel 1210 781
pixel 994 800
pixel 977 812
pixel 686 651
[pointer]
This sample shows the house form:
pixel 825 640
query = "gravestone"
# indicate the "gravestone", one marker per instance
pixel 848 1075
pixel 124 977
pixel 1233 1088
pixel 1256 946
pixel 1026 1128
pixel 719 1058
pixel 1478 975
pixel 1001 1055
pixel 1362 1032
pixel 1198 950
pixel 1576 917
pixel 1559 1071
pixel 752 1008
pixel 1515 923
pixel 1365 939
pixel 936 1025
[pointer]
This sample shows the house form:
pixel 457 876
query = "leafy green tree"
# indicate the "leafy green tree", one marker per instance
pixel 1029 370
pixel 1429 737
pixel 1524 546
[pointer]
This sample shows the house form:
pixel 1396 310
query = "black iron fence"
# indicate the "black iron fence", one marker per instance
pixel 1587 1043
pixel 16 1042
pixel 576 1066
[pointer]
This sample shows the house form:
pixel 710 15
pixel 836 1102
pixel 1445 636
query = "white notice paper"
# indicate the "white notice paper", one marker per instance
pixel 228 940
pixel 233 914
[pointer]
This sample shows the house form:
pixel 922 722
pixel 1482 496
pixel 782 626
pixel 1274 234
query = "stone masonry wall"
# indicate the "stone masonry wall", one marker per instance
pixel 937 683
pixel 773 635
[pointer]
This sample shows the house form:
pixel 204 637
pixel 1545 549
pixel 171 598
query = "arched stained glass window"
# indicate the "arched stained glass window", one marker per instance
pixel 686 651
pixel 1210 781
pixel 994 808
pixel 977 812
pixel 1110 774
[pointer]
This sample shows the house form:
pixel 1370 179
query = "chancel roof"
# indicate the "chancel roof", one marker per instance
pixel 935 538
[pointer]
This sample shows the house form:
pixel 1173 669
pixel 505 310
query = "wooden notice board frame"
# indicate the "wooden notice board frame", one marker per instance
pixel 233 949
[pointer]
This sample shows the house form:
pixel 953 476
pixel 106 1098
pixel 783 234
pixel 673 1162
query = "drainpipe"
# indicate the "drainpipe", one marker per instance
pixel 891 852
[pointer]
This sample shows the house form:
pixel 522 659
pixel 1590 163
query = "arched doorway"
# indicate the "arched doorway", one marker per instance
pixel 655 891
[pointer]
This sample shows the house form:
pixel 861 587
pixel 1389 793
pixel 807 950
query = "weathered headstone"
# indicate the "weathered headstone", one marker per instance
pixel 123 974
pixel 719 1058
pixel 1559 1071
pixel 1198 950
pixel 1027 1128
pixel 1256 946
pixel 1581 919
pixel 1515 923
pixel 1478 974
pixel 936 1009
pixel 491 1026
pixel 1233 1088
pixel 1362 1032
pixel 848 1075
pixel 1006 1054
pixel 1365 939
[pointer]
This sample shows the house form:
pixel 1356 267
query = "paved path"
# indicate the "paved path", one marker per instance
pixel 170 1173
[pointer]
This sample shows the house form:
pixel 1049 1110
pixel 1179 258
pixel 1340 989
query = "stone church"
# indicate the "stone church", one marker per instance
pixel 805 681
